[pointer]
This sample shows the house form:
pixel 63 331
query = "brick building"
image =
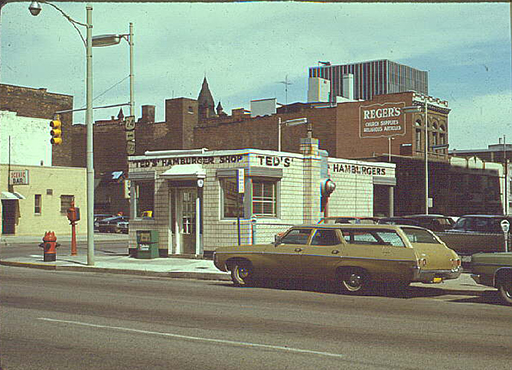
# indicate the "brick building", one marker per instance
pixel 41 104
pixel 375 130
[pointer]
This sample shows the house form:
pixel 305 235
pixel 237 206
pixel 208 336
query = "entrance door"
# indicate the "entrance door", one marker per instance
pixel 187 219
pixel 9 216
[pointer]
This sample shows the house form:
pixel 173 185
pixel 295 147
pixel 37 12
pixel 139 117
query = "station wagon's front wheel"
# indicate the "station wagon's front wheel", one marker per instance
pixel 505 288
pixel 354 280
pixel 241 274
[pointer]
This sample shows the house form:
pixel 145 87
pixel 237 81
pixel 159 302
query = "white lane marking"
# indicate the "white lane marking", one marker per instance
pixel 223 341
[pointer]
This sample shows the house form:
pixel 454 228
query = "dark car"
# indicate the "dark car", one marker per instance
pixel 480 223
pixel 98 218
pixel 476 233
pixel 111 224
pixel 398 221
pixel 432 222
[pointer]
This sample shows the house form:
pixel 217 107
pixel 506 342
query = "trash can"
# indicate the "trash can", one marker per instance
pixel 147 244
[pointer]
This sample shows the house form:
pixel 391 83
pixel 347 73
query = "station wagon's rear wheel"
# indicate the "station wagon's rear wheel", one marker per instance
pixel 505 288
pixel 241 274
pixel 354 280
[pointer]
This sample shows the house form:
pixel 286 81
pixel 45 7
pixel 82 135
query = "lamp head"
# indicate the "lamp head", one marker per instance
pixel 35 8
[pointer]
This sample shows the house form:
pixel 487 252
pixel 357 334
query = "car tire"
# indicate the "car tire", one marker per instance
pixel 241 274
pixel 505 289
pixel 354 280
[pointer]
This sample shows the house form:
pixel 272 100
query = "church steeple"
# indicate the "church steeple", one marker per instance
pixel 205 101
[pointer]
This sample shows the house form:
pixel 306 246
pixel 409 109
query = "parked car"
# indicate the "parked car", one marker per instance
pixel 397 221
pixel 432 222
pixel 123 227
pixel 98 218
pixel 353 255
pixel 475 233
pixel 494 270
pixel 347 220
pixel 111 224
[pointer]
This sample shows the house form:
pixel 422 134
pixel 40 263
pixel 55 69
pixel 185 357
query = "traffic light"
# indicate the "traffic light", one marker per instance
pixel 56 132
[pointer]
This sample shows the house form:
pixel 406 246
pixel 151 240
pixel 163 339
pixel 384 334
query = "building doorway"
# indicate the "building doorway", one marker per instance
pixel 9 216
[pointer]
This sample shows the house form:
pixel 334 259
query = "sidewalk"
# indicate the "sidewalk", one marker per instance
pixel 178 267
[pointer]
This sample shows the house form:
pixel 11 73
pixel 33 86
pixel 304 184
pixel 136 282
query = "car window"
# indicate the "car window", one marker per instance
pixel 419 236
pixel 370 236
pixel 296 236
pixel 391 238
pixel 325 237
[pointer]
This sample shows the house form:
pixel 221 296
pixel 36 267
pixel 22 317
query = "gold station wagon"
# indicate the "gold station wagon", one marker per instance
pixel 352 255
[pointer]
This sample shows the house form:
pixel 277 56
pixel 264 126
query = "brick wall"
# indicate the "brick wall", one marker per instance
pixel 40 103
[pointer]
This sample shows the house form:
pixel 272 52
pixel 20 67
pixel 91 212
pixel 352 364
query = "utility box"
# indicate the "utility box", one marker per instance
pixel 147 244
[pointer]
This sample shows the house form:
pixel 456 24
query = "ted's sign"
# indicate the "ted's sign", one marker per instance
pixel 381 120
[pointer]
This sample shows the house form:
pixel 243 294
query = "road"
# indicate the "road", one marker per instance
pixel 70 320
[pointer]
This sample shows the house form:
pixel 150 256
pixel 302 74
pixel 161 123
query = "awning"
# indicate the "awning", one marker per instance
pixel 7 195
pixel 185 172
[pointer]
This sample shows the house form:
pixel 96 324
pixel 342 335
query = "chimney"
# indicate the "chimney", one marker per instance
pixel 148 114
pixel 239 112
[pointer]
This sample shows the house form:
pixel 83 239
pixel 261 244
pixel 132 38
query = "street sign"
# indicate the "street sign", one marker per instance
pixel 505 226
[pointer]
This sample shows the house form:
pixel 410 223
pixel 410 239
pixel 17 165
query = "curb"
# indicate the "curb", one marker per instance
pixel 171 274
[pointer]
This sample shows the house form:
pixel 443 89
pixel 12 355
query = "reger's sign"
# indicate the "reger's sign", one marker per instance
pixel 381 120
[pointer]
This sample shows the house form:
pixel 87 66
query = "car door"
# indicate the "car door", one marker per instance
pixel 321 256
pixel 282 259
pixel 381 252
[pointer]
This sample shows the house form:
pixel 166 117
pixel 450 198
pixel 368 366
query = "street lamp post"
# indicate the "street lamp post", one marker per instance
pixel 114 39
pixel 35 9
pixel 290 122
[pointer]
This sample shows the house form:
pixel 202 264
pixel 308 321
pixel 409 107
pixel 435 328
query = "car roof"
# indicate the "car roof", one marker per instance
pixel 356 226
pixel 488 216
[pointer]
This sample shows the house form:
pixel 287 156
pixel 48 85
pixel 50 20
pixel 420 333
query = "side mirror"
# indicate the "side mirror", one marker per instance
pixel 277 240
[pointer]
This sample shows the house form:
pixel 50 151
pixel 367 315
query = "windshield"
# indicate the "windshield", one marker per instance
pixel 420 236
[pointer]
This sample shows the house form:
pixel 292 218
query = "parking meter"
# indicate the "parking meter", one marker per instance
pixel 505 226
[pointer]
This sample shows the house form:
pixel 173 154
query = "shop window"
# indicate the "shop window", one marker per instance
pixel 264 197
pixel 144 198
pixel 232 203
pixel 37 204
pixel 65 203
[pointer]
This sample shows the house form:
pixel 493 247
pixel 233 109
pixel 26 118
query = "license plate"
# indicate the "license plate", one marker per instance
pixel 466 259
pixel 437 280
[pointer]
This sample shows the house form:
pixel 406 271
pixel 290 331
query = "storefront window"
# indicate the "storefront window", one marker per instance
pixel 264 199
pixel 144 198
pixel 229 197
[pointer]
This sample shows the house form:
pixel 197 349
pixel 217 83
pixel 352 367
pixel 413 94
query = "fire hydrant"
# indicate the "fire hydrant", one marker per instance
pixel 49 246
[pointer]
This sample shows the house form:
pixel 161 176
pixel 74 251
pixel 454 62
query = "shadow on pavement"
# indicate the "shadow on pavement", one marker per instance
pixel 378 290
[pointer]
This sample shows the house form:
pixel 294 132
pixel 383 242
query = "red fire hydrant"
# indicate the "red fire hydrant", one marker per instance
pixel 49 246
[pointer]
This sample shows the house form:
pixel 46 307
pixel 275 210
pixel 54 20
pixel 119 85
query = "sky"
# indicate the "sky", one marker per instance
pixel 248 49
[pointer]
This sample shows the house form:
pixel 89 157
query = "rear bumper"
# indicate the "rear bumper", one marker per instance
pixel 430 276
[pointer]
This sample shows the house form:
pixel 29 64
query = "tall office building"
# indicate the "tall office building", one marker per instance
pixel 372 78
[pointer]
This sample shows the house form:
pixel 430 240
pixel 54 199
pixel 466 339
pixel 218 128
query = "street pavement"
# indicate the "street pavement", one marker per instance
pixel 174 267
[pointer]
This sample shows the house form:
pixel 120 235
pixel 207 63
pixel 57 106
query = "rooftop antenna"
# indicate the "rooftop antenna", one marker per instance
pixel 286 84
